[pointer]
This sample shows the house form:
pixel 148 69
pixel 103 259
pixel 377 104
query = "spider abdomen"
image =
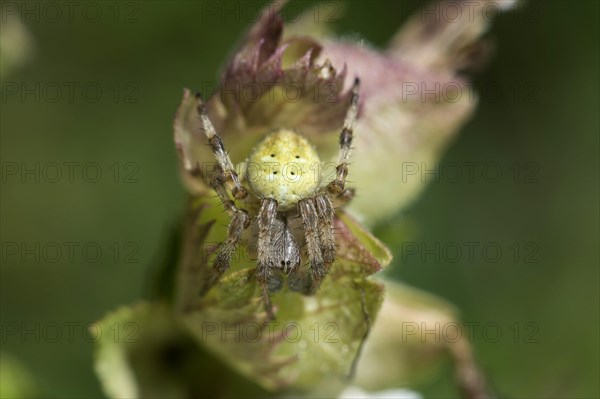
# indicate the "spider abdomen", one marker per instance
pixel 284 166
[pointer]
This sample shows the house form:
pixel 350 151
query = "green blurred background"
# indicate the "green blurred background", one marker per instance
pixel 142 54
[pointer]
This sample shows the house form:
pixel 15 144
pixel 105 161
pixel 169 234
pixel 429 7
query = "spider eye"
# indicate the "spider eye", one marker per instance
pixel 272 155
pixel 297 156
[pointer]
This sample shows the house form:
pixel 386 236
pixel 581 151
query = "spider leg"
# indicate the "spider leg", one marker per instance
pixel 310 218
pixel 344 197
pixel 218 148
pixel 266 218
pixel 240 220
pixel 337 185
pixel 325 216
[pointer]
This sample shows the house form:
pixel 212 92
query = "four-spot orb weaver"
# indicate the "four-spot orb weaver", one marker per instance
pixel 276 204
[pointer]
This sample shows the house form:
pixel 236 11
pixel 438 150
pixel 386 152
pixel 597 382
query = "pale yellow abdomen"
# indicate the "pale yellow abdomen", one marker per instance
pixel 285 167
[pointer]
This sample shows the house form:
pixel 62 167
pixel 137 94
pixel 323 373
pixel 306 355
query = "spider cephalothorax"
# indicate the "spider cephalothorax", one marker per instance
pixel 281 182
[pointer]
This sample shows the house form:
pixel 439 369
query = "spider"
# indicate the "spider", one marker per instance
pixel 276 184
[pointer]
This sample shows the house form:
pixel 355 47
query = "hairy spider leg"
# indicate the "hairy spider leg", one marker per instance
pixel 337 185
pixel 218 149
pixel 325 216
pixel 310 218
pixel 266 218
pixel 240 221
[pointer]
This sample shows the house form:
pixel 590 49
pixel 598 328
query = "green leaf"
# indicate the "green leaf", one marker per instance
pixel 147 353
pixel 312 345
pixel 415 333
